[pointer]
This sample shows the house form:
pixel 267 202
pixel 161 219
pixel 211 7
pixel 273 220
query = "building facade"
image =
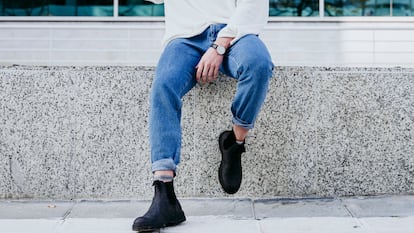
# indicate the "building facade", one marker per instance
pixel 365 33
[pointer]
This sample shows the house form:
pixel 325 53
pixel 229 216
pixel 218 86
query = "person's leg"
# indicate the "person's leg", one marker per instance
pixel 174 78
pixel 249 62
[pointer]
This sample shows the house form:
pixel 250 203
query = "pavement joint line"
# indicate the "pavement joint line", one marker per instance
pixel 351 214
pixel 253 209
pixel 259 225
pixel 59 226
pixel 349 211
pixel 65 216
pixel 69 211
pixel 360 222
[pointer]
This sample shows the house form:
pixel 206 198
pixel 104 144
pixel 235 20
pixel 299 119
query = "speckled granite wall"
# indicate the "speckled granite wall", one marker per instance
pixel 81 132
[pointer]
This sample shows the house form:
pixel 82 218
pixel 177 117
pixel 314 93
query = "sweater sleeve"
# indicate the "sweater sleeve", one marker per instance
pixel 155 1
pixel 249 17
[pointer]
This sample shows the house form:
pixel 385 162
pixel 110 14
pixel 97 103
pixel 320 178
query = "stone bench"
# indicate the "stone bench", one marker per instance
pixel 81 133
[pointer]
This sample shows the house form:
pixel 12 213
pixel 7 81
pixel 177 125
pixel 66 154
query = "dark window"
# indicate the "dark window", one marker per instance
pixel 368 7
pixel 402 7
pixel 294 8
pixel 56 7
pixel 140 8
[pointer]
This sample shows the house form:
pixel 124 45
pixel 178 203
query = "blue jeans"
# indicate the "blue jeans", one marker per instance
pixel 247 60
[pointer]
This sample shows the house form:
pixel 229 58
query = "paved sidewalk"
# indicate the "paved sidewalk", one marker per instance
pixel 386 214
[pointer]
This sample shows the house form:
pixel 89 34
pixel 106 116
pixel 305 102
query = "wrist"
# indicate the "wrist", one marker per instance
pixel 224 41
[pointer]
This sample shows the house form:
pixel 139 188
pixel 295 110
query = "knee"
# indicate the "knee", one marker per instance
pixel 260 65
pixel 261 69
pixel 252 57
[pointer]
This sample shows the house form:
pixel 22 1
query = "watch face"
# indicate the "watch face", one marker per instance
pixel 221 50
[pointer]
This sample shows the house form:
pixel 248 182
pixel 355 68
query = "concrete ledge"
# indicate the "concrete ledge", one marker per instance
pixel 242 209
pixel 339 215
pixel 81 132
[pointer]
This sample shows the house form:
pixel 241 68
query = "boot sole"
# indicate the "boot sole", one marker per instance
pixel 157 229
pixel 150 231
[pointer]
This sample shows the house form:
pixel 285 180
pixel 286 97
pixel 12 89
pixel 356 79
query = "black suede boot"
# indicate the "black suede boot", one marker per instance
pixel 230 170
pixel 165 210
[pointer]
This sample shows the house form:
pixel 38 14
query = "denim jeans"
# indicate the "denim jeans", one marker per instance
pixel 247 60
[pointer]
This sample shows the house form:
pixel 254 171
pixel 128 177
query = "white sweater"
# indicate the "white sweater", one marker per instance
pixel 187 18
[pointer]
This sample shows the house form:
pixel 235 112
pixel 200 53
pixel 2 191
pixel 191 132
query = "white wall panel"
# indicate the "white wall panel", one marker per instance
pixel 394 35
pixel 26 32
pixel 139 43
pixel 89 44
pixel 23 44
pixel 394 59
pixel 24 55
pixel 395 46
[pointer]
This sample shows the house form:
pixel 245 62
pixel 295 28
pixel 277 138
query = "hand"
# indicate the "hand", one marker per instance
pixel 208 66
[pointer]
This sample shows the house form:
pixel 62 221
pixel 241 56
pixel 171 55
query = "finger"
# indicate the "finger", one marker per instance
pixel 216 73
pixel 211 73
pixel 199 72
pixel 206 70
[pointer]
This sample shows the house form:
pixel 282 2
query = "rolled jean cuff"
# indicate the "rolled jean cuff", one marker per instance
pixel 164 165
pixel 242 123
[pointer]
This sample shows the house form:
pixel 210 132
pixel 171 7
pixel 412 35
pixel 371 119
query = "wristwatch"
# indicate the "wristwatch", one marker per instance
pixel 221 50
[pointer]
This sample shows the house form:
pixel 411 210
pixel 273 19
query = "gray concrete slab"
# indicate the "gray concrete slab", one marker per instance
pixel 217 215
pixel 109 209
pixel 234 208
pixel 34 210
pixel 311 225
pixel 30 225
pixel 210 224
pixel 383 206
pixel 387 225
pixel 96 225
pixel 284 208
